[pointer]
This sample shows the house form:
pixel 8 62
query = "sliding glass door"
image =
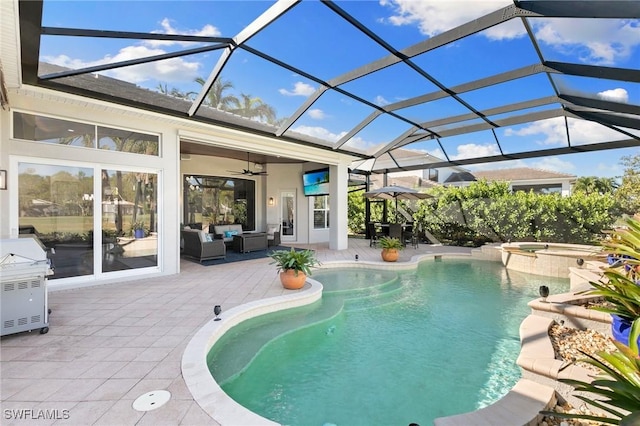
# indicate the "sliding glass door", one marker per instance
pixel 57 203
pixel 129 220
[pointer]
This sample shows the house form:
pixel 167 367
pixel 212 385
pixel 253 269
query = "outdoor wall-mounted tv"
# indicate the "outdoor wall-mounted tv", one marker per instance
pixel 316 182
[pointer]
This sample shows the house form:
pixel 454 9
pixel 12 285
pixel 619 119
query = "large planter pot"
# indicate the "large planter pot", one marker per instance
pixel 138 233
pixel 390 255
pixel 620 329
pixel 291 281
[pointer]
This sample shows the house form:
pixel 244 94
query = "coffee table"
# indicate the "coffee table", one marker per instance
pixel 251 241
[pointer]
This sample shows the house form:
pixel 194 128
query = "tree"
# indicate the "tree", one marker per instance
pixel 216 97
pixel 254 108
pixel 628 194
pixel 164 89
pixel 595 185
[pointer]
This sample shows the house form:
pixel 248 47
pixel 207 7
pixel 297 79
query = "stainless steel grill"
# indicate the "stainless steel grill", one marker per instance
pixel 24 268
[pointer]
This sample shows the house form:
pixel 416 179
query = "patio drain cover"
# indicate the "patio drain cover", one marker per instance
pixel 151 400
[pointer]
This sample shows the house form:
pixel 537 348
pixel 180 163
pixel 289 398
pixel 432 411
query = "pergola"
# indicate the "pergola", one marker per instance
pixel 513 83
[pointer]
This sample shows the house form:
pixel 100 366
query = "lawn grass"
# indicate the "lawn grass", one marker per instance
pixel 73 224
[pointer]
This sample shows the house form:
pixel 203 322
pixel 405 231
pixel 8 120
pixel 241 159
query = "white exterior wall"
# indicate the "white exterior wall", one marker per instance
pixel 338 215
pixel 170 169
pixel 165 166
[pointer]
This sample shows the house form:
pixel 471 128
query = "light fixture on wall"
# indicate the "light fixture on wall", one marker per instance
pixel 271 201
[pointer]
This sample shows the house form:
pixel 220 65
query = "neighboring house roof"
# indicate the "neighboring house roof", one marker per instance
pixel 406 181
pixel 406 158
pixel 460 177
pixel 520 173
pixel 509 175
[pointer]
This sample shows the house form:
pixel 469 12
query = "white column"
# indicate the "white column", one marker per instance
pixel 338 186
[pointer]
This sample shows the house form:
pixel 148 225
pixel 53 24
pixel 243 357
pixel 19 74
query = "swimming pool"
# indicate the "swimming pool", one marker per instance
pixel 383 347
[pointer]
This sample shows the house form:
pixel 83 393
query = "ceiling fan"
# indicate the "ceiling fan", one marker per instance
pixel 248 171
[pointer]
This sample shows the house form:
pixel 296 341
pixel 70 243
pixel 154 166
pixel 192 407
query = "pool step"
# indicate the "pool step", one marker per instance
pixel 389 294
pixel 490 251
pixel 239 352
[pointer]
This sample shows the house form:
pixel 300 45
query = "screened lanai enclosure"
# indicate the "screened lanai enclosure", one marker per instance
pixel 537 78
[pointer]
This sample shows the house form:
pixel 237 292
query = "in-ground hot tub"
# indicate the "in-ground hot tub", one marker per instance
pixel 548 259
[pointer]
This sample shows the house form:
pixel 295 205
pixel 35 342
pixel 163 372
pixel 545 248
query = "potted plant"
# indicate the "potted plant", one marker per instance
pixel 391 247
pixel 294 266
pixel 138 229
pixel 620 285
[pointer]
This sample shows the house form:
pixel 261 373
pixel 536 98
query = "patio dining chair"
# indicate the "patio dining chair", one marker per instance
pixel 375 232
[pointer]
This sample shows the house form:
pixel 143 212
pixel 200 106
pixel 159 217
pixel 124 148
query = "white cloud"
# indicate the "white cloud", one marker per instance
pixel 509 164
pixel 299 89
pixel 472 150
pixel 317 114
pixel 381 101
pixel 168 70
pixel 434 17
pixel 615 95
pixel 610 169
pixel 319 132
pixel 206 31
pixel 598 41
pixel 549 132
pixel 438 153
pixel 554 164
pixel 552 132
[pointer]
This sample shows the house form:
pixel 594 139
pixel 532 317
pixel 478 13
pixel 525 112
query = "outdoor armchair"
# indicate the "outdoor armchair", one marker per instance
pixel 199 245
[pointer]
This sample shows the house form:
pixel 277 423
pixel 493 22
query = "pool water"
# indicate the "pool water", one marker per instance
pixel 383 347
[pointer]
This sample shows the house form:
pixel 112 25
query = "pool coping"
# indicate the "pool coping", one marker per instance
pixel 226 411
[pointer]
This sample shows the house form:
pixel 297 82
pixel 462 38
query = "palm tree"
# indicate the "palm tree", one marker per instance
pixel 255 108
pixel 595 185
pixel 216 97
pixel 249 107
pixel 164 89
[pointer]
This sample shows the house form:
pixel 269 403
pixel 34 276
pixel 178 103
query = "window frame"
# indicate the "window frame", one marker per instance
pixel 324 210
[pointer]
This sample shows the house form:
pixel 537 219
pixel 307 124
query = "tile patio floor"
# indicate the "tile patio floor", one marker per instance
pixel 108 344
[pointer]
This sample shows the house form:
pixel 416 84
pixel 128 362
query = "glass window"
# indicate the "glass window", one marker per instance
pixel 540 189
pixel 321 212
pixel 127 141
pixel 129 220
pixel 64 132
pixel 52 130
pixel 56 204
pixel 213 200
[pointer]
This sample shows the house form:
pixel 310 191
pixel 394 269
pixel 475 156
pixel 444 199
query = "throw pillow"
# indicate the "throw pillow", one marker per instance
pixel 233 233
pixel 228 234
pixel 209 238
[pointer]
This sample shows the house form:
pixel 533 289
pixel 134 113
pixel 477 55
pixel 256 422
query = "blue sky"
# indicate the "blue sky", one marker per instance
pixel 313 39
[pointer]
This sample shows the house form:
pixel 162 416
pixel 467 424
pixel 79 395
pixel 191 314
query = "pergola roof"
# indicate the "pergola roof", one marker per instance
pixel 401 107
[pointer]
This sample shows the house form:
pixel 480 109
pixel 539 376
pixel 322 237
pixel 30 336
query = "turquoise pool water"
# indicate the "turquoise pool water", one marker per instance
pixel 383 347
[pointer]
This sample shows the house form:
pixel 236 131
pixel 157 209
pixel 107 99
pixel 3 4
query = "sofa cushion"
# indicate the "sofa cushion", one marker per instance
pixel 227 231
pixel 271 230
